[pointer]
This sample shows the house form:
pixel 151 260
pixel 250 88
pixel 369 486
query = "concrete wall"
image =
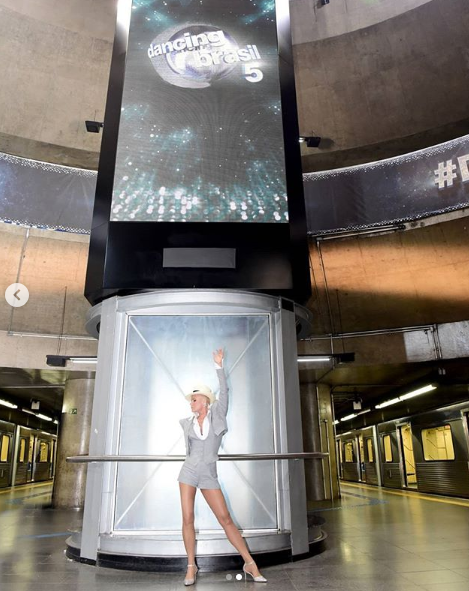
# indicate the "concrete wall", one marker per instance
pixel 375 78
pixel 407 278
pixel 385 83
pixel 312 21
pixel 391 348
pixel 54 68
pixel 52 265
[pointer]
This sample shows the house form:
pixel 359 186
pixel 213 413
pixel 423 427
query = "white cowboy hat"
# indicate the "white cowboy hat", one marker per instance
pixel 202 389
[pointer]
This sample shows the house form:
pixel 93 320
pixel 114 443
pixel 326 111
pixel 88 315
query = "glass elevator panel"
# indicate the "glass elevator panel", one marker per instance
pixel 165 357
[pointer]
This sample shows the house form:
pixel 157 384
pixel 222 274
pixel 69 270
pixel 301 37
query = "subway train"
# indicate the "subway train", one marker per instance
pixel 26 455
pixel 428 452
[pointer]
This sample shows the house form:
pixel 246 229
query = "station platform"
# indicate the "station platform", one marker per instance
pixel 378 540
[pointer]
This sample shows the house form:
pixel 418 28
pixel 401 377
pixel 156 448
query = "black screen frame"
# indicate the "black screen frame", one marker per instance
pixel 126 257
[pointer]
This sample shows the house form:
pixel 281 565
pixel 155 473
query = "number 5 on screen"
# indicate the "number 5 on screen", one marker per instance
pixel 252 74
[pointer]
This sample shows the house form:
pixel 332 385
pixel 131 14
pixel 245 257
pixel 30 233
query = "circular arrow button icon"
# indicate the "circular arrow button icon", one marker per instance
pixel 17 295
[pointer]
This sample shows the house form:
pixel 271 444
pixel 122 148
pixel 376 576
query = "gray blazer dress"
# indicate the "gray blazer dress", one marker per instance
pixel 200 468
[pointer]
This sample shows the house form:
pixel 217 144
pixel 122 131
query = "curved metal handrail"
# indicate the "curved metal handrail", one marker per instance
pixel 225 457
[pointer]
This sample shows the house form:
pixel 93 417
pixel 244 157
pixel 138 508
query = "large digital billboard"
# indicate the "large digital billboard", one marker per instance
pixel 201 134
pixel 200 127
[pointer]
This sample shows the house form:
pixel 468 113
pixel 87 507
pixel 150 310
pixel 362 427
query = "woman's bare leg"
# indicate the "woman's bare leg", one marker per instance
pixel 188 530
pixel 217 504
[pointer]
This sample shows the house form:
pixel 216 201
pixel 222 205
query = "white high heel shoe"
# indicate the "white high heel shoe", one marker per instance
pixel 188 582
pixel 259 579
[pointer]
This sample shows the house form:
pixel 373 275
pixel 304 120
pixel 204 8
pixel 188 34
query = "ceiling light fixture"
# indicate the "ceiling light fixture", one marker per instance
pixel 388 403
pixel 9 404
pixel 43 417
pixel 83 359
pixel 349 417
pixel 61 360
pixel 352 416
pixel 312 358
pixel 411 394
pixel 338 357
pixel 36 414
pixel 423 390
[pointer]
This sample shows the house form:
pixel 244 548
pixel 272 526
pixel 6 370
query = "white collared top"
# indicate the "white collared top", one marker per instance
pixel 206 423
pixel 205 426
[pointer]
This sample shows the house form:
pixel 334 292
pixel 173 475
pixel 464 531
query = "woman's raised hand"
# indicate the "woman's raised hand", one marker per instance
pixel 218 356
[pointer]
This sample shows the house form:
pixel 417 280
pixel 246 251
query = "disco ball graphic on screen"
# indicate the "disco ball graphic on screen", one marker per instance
pixel 194 56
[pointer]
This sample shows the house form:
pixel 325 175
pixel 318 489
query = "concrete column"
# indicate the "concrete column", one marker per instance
pixel 311 442
pixel 73 440
pixel 326 417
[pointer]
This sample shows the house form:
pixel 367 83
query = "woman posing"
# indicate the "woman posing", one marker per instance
pixel 203 433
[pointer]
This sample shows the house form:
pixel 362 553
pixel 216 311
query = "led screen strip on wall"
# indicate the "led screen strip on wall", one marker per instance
pixel 200 136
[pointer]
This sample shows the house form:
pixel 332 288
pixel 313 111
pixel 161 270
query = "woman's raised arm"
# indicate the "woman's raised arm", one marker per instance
pixel 222 401
pixel 218 356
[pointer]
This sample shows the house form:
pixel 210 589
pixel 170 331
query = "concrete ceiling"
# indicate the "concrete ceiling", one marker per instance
pixel 371 384
pixel 313 21
pixel 374 78
pixel 21 386
pixel 375 384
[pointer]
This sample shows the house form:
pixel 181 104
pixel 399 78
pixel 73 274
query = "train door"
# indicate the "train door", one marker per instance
pixel 42 460
pixel 22 461
pixel 466 426
pixel 53 445
pixel 341 459
pixel 30 469
pixel 350 465
pixel 361 458
pixel 371 473
pixel 53 457
pixel 5 458
pixel 390 464
pixel 410 474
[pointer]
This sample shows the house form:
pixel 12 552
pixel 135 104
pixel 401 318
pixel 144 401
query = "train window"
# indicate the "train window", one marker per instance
pixel 348 452
pixel 22 450
pixel 31 449
pixel 438 443
pixel 43 452
pixel 361 450
pixel 5 448
pixel 387 448
pixel 369 449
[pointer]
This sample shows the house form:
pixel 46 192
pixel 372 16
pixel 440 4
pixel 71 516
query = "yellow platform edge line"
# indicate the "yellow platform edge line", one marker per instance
pixel 21 487
pixel 410 494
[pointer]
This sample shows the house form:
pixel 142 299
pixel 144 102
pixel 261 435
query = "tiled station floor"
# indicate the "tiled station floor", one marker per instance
pixel 377 541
